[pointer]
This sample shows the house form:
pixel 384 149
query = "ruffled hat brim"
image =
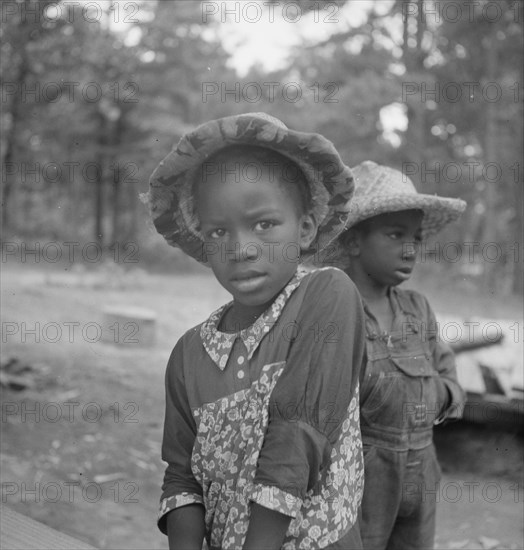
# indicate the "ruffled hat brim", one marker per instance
pixel 170 193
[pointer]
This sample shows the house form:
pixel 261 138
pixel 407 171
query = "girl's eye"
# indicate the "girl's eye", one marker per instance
pixel 216 233
pixel 263 225
pixel 394 235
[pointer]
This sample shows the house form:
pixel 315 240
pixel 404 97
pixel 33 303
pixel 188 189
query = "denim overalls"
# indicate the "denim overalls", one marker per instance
pixel 408 384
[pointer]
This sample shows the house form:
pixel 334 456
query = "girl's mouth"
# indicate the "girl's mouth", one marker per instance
pixel 248 282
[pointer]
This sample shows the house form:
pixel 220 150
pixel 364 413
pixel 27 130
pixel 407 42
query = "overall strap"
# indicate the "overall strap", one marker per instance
pixel 405 303
pixel 371 332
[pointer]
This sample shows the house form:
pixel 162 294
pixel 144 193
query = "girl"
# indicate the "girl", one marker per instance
pixel 261 431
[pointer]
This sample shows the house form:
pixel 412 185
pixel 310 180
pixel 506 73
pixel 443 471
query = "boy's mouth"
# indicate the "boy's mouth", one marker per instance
pixel 404 272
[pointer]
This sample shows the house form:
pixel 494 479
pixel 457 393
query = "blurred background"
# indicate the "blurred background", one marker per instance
pixel 96 93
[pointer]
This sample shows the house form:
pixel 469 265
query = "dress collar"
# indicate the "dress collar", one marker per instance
pixel 219 344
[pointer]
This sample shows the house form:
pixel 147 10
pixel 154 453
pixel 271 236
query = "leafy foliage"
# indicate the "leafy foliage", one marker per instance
pixel 91 107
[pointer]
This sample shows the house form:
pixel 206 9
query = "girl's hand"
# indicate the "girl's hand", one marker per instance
pixel 266 530
pixel 186 528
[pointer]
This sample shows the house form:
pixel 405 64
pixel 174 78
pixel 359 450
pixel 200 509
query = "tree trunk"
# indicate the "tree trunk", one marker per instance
pixel 490 155
pixel 117 176
pixel 518 183
pixel 8 177
pixel 413 58
pixel 8 183
pixel 517 253
pixel 99 183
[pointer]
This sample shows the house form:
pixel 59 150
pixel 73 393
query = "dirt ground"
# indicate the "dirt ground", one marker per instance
pixel 81 442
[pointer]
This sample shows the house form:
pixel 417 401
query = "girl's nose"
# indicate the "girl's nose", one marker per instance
pixel 243 248
pixel 251 251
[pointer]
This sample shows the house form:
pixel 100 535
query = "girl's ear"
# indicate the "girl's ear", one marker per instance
pixel 351 242
pixel 308 231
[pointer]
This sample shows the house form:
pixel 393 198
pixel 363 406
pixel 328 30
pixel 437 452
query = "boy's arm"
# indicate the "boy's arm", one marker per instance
pixel 266 530
pixel 312 397
pixel 181 494
pixel 451 394
pixel 185 527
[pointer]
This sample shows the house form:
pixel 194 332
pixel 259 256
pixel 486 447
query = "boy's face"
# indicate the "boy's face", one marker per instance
pixel 385 248
pixel 253 233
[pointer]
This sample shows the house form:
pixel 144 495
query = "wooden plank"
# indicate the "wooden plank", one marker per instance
pixel 469 374
pixel 129 325
pixel 19 532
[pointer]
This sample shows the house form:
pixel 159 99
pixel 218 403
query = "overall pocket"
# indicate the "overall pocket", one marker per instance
pixel 399 392
pixel 421 404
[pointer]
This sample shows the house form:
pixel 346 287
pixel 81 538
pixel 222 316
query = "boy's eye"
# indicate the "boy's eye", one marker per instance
pixel 264 225
pixel 394 235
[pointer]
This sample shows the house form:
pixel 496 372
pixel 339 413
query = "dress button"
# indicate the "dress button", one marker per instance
pixel 241 360
pixel 240 374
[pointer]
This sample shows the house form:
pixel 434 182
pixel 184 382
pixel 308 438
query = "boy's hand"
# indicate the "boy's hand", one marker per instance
pixel 266 530
pixel 443 399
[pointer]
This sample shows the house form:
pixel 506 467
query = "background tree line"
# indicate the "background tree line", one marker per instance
pixel 89 109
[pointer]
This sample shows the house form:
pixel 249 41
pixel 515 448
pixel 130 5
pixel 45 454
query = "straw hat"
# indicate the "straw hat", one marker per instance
pixel 170 196
pixel 380 189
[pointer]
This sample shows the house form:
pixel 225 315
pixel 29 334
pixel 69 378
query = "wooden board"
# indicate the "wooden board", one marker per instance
pixel 128 325
pixel 19 532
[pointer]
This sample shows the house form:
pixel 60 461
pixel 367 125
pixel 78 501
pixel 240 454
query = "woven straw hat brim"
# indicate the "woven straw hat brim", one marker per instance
pixel 170 194
pixel 380 190
pixel 438 211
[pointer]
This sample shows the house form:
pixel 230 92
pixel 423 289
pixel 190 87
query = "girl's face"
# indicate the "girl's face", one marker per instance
pixel 384 250
pixel 253 233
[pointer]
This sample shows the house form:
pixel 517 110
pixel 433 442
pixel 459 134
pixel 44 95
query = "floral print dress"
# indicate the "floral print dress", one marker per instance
pixel 270 415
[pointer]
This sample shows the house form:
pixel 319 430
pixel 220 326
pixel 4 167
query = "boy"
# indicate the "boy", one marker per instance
pixel 409 381
pixel 261 431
